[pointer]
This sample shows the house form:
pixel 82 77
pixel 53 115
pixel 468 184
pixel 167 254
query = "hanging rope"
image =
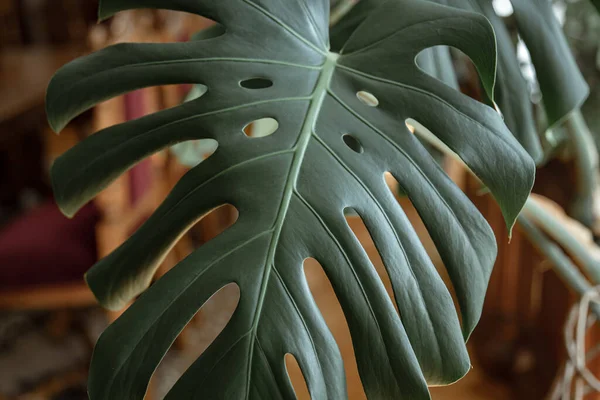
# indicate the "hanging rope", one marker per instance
pixel 575 380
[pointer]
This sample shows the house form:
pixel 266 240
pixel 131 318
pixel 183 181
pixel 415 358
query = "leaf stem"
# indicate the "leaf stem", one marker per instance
pixel 299 149
pixel 552 225
pixel 564 267
pixel 586 163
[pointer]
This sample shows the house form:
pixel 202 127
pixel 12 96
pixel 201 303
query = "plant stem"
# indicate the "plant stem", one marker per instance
pixel 586 163
pixel 556 229
pixel 563 265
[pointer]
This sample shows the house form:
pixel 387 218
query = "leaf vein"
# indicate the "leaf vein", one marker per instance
pixel 358 281
pixel 421 172
pixel 167 307
pixel 393 228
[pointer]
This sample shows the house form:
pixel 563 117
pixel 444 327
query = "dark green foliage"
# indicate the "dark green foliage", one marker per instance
pixel 291 189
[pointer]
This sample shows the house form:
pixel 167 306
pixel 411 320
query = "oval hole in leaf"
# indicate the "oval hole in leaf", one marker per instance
pixel 256 83
pixel 193 152
pixel 214 223
pixel 362 234
pixel 198 90
pixel 393 185
pixel 200 332
pixel 296 377
pixel 367 98
pixel 353 143
pixel 331 310
pixel 261 127
pixel 503 8
pixel 213 31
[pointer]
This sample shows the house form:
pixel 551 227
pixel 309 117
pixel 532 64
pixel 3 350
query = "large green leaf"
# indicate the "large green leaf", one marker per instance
pixel 560 80
pixel 329 154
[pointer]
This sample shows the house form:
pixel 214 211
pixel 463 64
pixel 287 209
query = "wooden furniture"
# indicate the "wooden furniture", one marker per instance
pixel 520 337
pixel 53 22
pixel 24 76
pixel 127 202
pixel 10 24
pixel 43 255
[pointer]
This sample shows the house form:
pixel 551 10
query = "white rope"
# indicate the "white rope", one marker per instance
pixel 575 380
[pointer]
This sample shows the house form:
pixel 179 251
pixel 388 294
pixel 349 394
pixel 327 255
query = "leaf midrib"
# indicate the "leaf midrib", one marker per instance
pixel 318 97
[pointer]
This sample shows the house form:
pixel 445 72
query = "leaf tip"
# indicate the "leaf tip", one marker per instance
pixel 111 303
pixel 56 113
pixel 53 120
pixel 512 212
pixel 58 188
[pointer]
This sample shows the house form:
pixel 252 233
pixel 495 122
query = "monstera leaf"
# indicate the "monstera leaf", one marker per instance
pixel 341 128
pixel 561 83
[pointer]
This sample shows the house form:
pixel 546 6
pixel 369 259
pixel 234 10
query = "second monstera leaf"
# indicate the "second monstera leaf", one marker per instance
pixel 341 127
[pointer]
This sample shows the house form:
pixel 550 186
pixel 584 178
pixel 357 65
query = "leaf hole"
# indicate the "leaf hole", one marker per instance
pixel 367 98
pixel 393 185
pixel 331 310
pixel 212 32
pixel 256 83
pixel 196 337
pixel 193 152
pixel 296 377
pixel 261 127
pixel 214 223
pixel 413 216
pixel 362 234
pixel 429 138
pixel 353 143
pixel 503 8
pixel 198 90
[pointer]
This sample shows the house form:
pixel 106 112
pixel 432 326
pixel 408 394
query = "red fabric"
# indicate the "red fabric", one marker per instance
pixel 184 90
pixel 45 247
pixel 140 176
pixel 140 180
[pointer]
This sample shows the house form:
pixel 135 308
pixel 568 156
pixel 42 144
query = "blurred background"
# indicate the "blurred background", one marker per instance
pixel 49 320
